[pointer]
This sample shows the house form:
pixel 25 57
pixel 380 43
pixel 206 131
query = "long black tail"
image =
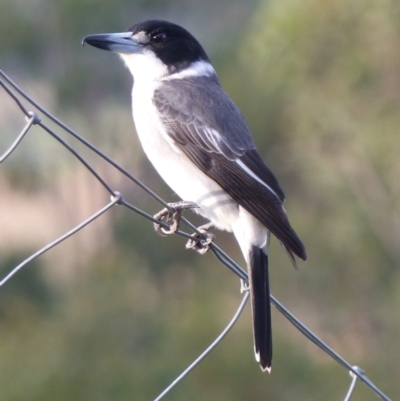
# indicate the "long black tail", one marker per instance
pixel 261 306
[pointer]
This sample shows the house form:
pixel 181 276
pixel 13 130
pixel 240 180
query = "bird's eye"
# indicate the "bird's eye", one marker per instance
pixel 158 37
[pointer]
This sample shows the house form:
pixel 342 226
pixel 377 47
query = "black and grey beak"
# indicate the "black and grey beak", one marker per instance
pixel 115 42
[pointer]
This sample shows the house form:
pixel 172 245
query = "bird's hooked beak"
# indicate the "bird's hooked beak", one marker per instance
pixel 116 42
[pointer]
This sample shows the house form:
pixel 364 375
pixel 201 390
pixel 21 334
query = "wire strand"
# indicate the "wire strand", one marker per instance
pixel 208 349
pixel 117 198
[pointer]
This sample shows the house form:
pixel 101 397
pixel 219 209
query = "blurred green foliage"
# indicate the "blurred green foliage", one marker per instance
pixel 116 313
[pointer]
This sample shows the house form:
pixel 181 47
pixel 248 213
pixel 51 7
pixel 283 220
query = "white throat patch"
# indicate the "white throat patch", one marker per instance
pixel 145 67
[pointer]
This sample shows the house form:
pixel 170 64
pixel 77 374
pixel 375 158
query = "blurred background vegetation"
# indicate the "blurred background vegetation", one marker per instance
pixel 116 312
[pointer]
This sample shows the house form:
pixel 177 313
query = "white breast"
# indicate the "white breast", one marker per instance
pixel 189 183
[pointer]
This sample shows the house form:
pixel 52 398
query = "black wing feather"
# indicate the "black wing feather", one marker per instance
pixel 208 127
pixel 250 194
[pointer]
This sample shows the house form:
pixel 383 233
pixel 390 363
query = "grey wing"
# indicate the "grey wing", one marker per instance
pixel 200 113
pixel 208 127
pixel 196 112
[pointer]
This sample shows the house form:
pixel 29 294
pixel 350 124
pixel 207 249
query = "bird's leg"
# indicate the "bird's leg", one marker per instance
pixel 172 217
pixel 201 242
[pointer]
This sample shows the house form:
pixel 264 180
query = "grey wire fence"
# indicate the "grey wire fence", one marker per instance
pixel 33 118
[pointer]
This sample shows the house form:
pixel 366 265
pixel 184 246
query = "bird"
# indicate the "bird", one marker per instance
pixel 200 144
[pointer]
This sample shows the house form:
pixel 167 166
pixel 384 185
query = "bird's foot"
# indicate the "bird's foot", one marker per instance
pixel 200 242
pixel 172 217
pixel 244 286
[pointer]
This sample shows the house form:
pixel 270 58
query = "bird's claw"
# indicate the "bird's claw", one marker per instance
pixel 200 242
pixel 171 217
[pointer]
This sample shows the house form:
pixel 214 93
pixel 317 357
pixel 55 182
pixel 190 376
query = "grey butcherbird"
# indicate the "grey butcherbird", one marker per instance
pixel 200 144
